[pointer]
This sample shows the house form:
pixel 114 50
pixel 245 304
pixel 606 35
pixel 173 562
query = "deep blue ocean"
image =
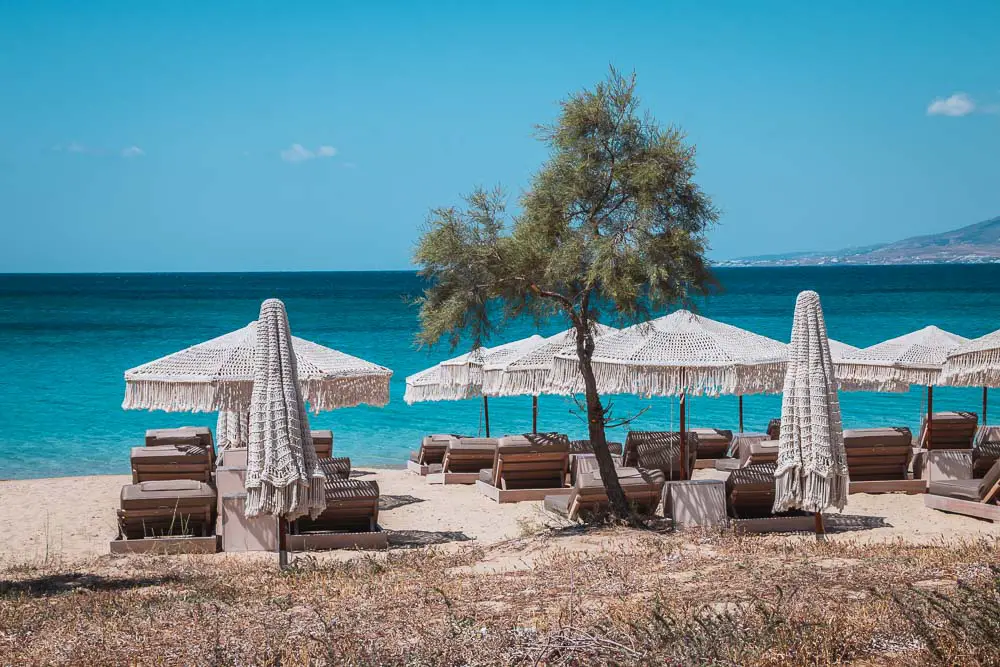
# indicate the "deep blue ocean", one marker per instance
pixel 65 341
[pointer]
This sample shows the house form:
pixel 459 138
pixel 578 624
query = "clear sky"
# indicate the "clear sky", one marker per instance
pixel 159 136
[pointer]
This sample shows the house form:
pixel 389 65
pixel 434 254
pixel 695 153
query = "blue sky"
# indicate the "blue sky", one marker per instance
pixel 162 136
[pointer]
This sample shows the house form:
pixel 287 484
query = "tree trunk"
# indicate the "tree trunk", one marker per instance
pixel 595 424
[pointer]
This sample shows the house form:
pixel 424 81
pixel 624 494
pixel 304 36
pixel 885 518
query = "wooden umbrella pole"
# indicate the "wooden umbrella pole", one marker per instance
pixel 820 528
pixel 282 540
pixel 534 414
pixel 741 413
pixel 930 416
pixel 486 415
pixel 985 396
pixel 683 408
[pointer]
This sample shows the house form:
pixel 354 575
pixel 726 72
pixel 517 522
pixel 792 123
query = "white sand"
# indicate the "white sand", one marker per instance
pixel 74 517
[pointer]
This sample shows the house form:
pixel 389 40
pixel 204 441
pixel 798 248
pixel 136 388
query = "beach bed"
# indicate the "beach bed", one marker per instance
pixel 643 490
pixel 173 516
pixel 430 457
pixel 350 520
pixel 750 493
pixel 878 459
pixel 713 445
pixel 166 462
pixel 971 497
pixel 949 430
pixel 463 459
pixel 660 450
pixel 526 467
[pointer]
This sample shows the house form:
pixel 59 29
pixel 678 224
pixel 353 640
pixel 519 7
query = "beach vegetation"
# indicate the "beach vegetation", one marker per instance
pixel 611 230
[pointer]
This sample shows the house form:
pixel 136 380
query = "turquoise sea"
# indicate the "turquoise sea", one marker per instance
pixel 65 341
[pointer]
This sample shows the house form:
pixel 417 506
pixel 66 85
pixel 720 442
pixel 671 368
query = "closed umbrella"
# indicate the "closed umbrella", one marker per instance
pixel 975 363
pixel 915 358
pixel 283 477
pixel 812 463
pixel 676 355
pixel 217 375
pixel 232 430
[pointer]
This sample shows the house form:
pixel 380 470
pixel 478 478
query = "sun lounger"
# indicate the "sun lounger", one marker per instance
pixel 774 429
pixel 643 490
pixel 430 456
pixel 323 442
pixel 584 463
pixel 659 450
pixel 878 459
pixel 972 497
pixel 336 468
pixel 177 461
pixel 713 443
pixel 750 495
pixel 526 467
pixel 350 519
pixel 950 430
pixel 985 449
pixel 765 451
pixel 185 435
pixel 166 509
pixel 463 459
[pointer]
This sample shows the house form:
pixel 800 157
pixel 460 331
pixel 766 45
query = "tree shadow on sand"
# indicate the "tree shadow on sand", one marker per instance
pixel 386 503
pixel 423 538
pixel 57 584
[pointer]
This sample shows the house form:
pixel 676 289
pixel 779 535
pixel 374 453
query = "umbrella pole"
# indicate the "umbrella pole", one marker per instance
pixel 985 395
pixel 486 414
pixel 683 408
pixel 820 528
pixel 282 539
pixel 930 416
pixel 534 414
pixel 741 413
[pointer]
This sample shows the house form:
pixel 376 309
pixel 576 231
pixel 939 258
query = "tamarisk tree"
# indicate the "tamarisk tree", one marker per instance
pixel 612 229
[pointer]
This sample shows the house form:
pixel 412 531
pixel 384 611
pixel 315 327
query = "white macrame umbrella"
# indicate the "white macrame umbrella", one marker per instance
pixel 429 385
pixel 812 462
pixel 217 375
pixel 525 369
pixel 467 370
pixel 283 477
pixel 914 358
pixel 975 363
pixel 676 355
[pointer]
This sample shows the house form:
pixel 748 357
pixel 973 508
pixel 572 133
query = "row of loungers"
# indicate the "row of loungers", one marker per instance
pixel 180 502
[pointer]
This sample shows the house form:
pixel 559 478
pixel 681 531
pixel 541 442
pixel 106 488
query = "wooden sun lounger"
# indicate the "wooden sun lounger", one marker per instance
pixel 350 520
pixel 985 449
pixel 165 462
pixel 185 435
pixel 463 459
pixel 166 509
pixel 429 458
pixel 660 450
pixel 878 459
pixel 323 442
pixel 643 490
pixel 526 467
pixel 750 495
pixel 950 430
pixel 713 444
pixel 765 451
pixel 971 497
pixel 580 464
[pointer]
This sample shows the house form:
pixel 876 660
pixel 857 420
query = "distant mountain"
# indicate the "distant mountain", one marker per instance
pixel 974 244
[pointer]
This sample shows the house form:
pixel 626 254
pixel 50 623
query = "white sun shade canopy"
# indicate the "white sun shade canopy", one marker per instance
pixel 679 353
pixel 527 369
pixel 217 375
pixel 975 363
pixel 468 370
pixel 428 384
pixel 915 358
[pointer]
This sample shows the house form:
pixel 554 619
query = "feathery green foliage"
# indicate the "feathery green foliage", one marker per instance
pixel 612 228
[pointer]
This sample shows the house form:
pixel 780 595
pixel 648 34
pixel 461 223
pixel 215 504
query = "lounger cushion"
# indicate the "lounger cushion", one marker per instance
pixel 185 435
pixel 963 489
pixel 181 492
pixel 584 447
pixel 486 475
pixel 181 453
pixel 528 444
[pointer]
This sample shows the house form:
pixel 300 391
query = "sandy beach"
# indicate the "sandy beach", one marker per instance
pixel 73 518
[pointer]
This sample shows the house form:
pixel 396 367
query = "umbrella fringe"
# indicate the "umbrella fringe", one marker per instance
pixel 346 392
pixel 520 382
pixel 886 378
pixel 291 501
pixel 615 378
pixel 973 368
pixel 186 396
pixel 436 392
pixel 795 488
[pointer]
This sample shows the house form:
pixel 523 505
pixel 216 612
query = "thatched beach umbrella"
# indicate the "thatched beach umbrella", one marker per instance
pixel 812 462
pixel 527 369
pixel 283 477
pixel 975 363
pixel 676 355
pixel 917 358
pixel 217 376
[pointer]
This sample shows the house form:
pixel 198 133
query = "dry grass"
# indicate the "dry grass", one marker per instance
pixel 649 599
